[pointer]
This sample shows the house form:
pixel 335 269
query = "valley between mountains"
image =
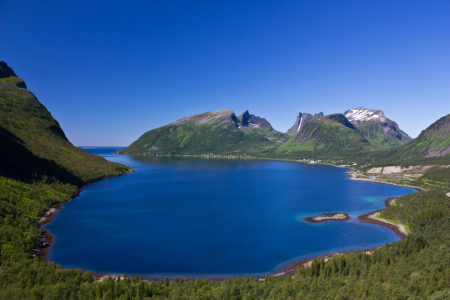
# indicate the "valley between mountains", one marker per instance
pixel 361 134
pixel 40 168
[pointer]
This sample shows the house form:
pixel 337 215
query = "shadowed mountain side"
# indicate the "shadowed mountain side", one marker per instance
pixel 34 145
pixel 249 123
pixel 247 119
pixel 17 162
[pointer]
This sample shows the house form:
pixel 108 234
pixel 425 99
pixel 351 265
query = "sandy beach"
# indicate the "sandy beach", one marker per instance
pixel 352 175
pixel 370 218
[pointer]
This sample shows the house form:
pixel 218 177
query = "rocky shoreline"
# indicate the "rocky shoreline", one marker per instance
pixel 370 218
pixel 46 239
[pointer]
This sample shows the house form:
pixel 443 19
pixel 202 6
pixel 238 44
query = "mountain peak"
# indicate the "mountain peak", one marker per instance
pixel 302 119
pixel 8 77
pixel 250 120
pixel 361 114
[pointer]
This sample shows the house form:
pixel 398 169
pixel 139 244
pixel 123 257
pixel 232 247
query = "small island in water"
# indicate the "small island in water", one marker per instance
pixel 328 217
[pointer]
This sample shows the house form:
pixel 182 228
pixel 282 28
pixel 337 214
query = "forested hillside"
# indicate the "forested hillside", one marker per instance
pixel 38 167
pixel 415 268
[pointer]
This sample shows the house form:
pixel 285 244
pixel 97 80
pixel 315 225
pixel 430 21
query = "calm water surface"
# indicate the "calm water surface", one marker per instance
pixel 197 217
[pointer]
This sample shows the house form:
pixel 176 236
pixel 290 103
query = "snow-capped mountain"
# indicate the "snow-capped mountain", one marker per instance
pixel 362 114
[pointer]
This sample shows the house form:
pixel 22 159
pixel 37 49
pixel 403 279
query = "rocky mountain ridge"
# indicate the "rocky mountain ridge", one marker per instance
pixel 302 119
pixel 9 78
pixel 377 128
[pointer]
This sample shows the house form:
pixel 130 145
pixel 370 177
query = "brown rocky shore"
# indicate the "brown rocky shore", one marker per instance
pixel 45 237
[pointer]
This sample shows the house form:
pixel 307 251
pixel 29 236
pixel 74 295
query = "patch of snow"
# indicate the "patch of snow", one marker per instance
pixel 300 124
pixel 364 114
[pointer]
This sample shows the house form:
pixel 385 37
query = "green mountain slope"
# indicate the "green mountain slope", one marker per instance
pixel 329 136
pixel 376 128
pixel 217 132
pixel 33 145
pixel 433 145
pixel 38 166
pixel 383 134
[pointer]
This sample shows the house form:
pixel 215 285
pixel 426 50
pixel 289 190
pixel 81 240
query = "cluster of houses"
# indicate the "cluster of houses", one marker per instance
pixel 334 162
pixel 225 156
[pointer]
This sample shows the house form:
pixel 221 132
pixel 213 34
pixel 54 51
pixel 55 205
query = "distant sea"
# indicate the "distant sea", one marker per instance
pixel 215 218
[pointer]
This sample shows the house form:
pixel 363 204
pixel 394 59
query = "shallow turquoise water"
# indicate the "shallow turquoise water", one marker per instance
pixel 193 217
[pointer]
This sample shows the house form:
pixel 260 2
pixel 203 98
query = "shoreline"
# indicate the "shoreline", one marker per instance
pixel 370 218
pixel 352 176
pixel 45 238
pixel 366 218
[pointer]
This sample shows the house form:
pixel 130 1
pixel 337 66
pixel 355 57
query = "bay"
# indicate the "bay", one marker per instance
pixel 198 217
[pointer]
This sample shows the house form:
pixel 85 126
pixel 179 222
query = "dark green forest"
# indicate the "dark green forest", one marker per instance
pixel 415 268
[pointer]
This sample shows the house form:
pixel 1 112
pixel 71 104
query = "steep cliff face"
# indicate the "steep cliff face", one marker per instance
pixel 252 121
pixel 301 120
pixel 377 128
pixel 251 124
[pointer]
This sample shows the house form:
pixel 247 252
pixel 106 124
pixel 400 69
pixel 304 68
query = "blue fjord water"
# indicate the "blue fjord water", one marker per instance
pixel 194 217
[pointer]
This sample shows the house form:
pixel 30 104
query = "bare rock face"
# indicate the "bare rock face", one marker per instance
pixel 302 119
pixel 6 71
pixel 252 121
pixel 220 117
pixel 440 132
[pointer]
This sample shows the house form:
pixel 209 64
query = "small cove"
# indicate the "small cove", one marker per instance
pixel 195 217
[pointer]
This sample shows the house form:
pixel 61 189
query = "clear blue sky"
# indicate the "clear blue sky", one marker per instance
pixel 111 70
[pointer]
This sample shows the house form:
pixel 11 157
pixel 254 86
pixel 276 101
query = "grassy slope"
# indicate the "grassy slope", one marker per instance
pixel 435 137
pixel 219 135
pixel 38 167
pixel 326 137
pixel 372 132
pixel 33 145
